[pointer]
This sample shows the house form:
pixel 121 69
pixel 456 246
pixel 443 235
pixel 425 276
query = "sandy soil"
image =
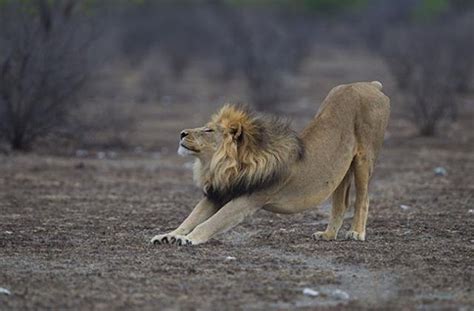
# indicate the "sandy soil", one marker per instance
pixel 74 234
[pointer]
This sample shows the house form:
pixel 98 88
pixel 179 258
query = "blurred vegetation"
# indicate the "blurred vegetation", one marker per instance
pixel 429 8
pixel 259 42
pixel 421 8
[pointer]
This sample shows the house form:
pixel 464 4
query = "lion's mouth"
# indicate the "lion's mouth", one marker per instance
pixel 188 148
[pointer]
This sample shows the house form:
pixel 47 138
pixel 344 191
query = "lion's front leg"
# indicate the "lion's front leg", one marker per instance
pixel 226 218
pixel 203 210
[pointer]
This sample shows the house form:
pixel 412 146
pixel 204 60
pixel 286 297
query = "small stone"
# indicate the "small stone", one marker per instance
pixel 440 171
pixel 101 155
pixel 471 211
pixel 405 207
pixel 310 292
pixel 8 232
pixel 229 258
pixel 340 294
pixel 5 291
pixel 80 153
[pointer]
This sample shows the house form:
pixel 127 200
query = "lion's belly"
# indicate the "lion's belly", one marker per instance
pixel 293 200
pixel 311 184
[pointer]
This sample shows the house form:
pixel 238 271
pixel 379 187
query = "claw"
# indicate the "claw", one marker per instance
pixel 171 239
pixel 354 235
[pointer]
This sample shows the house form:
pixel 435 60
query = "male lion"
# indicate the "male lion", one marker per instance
pixel 245 162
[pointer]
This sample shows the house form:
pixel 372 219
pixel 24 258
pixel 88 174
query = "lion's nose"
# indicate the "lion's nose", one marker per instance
pixel 184 134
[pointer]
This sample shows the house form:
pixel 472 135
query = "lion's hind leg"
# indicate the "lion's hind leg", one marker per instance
pixel 363 167
pixel 340 203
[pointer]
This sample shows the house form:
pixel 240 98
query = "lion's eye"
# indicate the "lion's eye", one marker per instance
pixel 208 130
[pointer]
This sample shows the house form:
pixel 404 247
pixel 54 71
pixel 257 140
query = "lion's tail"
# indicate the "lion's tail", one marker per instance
pixel 377 84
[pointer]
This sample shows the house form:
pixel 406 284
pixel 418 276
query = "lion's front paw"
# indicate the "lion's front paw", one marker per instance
pixel 161 239
pixel 324 235
pixel 171 239
pixel 354 235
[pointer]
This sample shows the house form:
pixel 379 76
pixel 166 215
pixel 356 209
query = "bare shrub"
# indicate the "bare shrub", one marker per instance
pixel 264 46
pixel 461 41
pixel 42 67
pixel 260 45
pixel 180 33
pixel 429 54
pixel 431 64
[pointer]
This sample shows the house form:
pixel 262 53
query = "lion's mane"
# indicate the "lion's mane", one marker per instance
pixel 254 154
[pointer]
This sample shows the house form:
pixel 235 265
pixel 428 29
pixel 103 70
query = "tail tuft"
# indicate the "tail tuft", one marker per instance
pixel 377 84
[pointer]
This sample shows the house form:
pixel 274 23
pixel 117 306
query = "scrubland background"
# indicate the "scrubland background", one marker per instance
pixel 93 95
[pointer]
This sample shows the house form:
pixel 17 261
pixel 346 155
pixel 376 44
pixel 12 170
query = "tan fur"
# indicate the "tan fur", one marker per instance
pixel 245 162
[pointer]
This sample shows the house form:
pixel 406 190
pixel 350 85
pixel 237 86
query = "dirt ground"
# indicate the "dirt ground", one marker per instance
pixel 75 231
pixel 75 227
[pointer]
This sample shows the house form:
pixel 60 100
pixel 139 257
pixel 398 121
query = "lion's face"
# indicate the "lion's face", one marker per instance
pixel 200 142
pixel 220 136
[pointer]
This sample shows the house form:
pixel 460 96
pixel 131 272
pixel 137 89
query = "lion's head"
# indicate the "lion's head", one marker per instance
pixel 239 152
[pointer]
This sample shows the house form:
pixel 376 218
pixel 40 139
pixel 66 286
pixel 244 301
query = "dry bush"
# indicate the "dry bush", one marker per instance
pixel 429 54
pixel 260 45
pixel 42 67
pixel 180 33
pixel 432 64
pixel 264 46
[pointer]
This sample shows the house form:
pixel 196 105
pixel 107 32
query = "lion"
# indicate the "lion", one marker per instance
pixel 245 162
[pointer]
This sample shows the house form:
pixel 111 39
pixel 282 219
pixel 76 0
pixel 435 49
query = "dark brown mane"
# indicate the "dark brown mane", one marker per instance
pixel 254 160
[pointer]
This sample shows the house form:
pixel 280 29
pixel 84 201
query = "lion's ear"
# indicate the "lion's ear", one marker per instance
pixel 236 131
